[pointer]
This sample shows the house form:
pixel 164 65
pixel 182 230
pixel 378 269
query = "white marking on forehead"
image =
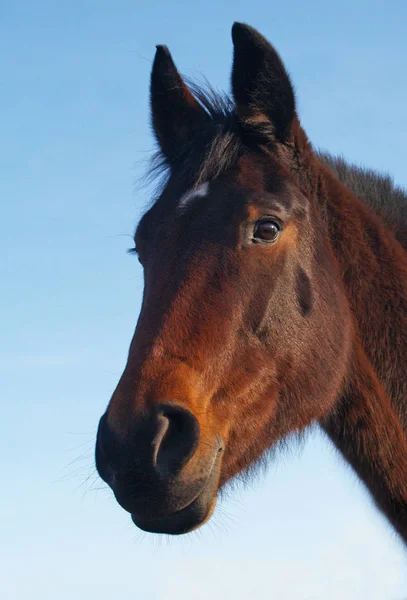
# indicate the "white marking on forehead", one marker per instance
pixel 200 192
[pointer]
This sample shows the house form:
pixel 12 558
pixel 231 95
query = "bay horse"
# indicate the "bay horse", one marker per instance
pixel 275 297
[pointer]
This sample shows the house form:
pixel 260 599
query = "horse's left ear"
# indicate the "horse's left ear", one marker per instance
pixel 174 110
pixel 261 86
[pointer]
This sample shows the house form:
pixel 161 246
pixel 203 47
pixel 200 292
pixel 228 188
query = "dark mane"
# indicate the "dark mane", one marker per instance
pixel 216 147
pixel 377 190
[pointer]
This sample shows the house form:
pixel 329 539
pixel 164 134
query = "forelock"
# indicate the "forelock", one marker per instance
pixel 217 145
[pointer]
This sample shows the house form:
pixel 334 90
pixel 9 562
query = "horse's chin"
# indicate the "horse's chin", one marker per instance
pixel 192 516
pixel 184 521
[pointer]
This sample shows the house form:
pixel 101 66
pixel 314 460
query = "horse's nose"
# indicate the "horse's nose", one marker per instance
pixel 154 451
pixel 176 439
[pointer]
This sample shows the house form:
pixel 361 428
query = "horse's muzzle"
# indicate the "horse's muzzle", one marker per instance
pixel 160 471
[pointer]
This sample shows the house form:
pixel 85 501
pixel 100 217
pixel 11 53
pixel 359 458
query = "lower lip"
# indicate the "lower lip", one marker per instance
pixel 192 516
pixel 184 521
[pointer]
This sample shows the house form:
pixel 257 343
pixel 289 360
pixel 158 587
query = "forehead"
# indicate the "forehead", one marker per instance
pixel 254 184
pixel 262 181
pixel 200 191
pixel 254 178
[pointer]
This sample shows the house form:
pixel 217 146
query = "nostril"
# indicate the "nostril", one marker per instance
pixel 105 439
pixel 163 425
pixel 176 440
pixel 100 449
pixel 107 449
pixel 153 452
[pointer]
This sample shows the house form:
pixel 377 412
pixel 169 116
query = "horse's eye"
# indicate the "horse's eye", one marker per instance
pixel 266 230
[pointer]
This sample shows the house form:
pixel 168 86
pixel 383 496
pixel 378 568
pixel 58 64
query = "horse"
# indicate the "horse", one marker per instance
pixel 275 297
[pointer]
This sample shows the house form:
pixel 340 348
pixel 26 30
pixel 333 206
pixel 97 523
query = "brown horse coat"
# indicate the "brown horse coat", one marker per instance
pixel 275 296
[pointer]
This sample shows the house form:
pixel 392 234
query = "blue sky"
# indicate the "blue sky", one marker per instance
pixel 75 138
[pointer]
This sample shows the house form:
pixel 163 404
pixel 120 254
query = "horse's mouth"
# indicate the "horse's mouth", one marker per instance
pixel 189 518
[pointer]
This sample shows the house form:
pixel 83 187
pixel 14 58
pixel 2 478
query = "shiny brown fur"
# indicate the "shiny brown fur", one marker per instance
pixel 240 343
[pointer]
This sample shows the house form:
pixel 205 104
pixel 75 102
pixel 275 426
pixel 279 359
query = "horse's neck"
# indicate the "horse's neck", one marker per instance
pixel 367 431
pixel 374 271
pixel 370 423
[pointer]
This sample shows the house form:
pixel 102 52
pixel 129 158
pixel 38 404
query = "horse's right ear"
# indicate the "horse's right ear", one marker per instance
pixel 174 110
pixel 261 86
